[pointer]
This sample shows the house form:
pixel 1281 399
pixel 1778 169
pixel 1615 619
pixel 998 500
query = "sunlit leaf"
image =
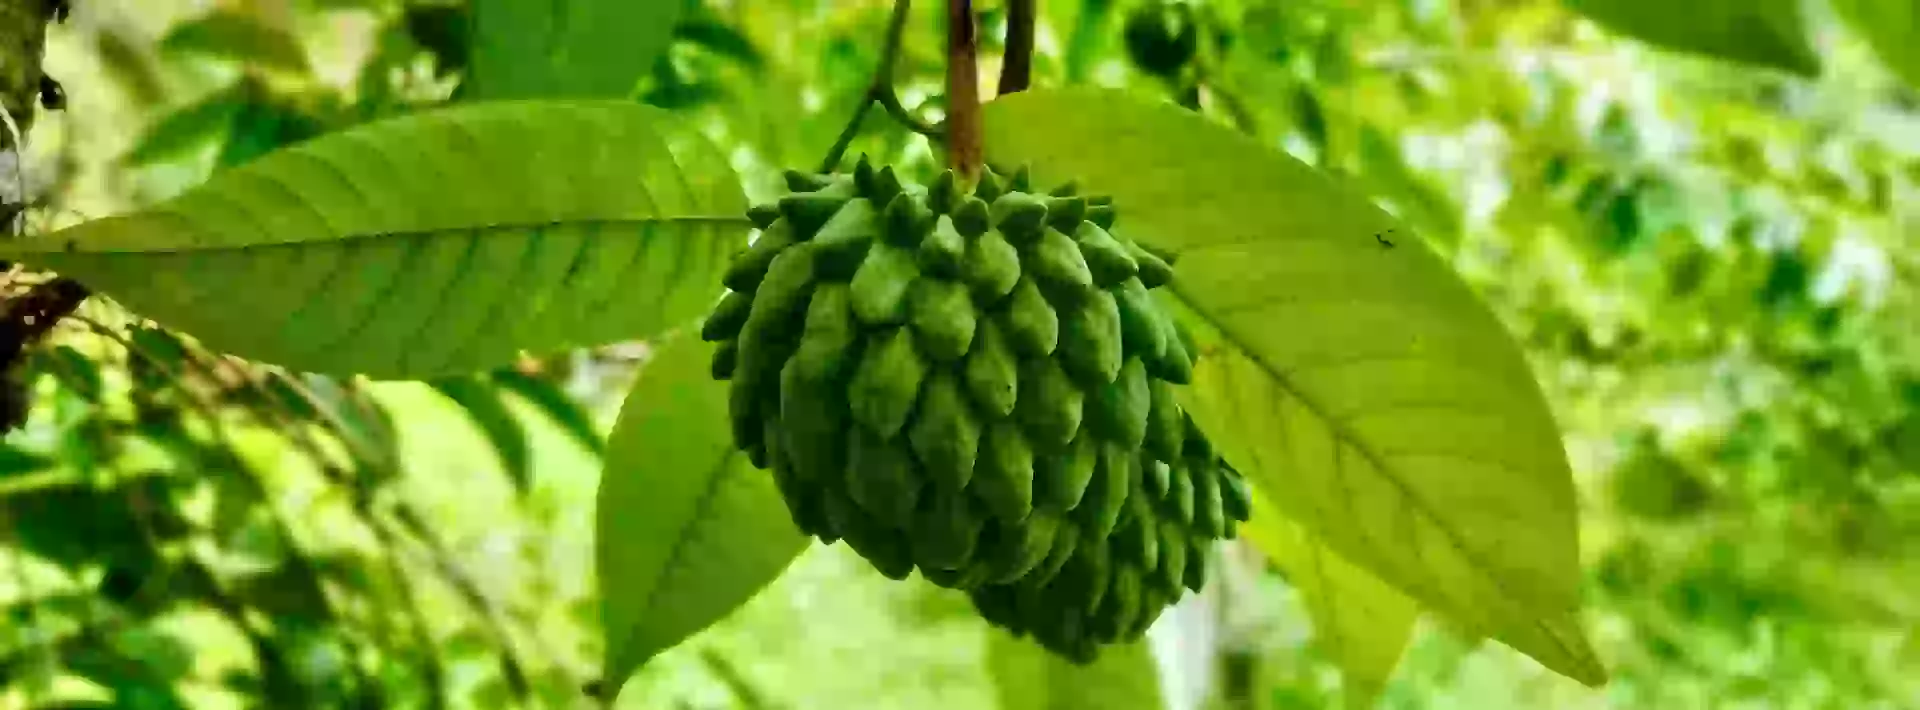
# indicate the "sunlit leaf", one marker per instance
pixel 441 242
pixel 239 37
pixel 1768 33
pixel 1363 386
pixel 1026 677
pixel 1892 27
pixel 578 49
pixel 1362 622
pixel 488 410
pixel 687 529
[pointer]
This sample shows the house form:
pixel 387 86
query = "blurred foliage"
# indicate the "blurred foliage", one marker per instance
pixel 1713 269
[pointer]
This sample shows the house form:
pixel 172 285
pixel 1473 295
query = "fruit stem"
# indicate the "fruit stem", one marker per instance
pixel 880 91
pixel 963 91
pixel 1016 65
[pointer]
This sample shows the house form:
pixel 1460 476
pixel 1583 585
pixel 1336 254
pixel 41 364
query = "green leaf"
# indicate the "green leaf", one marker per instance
pixel 546 395
pixel 1027 677
pixel 1892 28
pixel 687 529
pixel 1362 622
pixel 484 404
pixel 576 49
pixel 441 242
pixel 238 37
pixel 1364 387
pixel 186 129
pixel 1768 33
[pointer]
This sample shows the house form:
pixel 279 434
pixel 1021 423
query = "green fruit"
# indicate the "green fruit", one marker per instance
pixel 1195 578
pixel 1059 266
pixel 944 434
pixel 888 552
pixel 1166 431
pixel 1138 541
pixel 1141 333
pixel 1021 546
pixel 724 358
pixel 907 222
pixel 942 317
pixel 1179 501
pixel 1003 475
pixel 1208 516
pixel 808 212
pixel 887 383
pixel 842 242
pixel 1066 539
pixel 943 249
pixel 978 386
pixel 1020 216
pixel 827 342
pixel 1234 497
pixel 750 266
pixel 1090 340
pixel 1119 410
pixel 992 371
pixel 725 321
pixel 991 268
pixel 1172 570
pixel 946 532
pixel 882 477
pixel 1061 479
pixel 1106 259
pixel 1154 271
pixel 1122 606
pixel 1030 322
pixel 880 286
pixel 1049 405
pixel 1158 476
pixel 1106 496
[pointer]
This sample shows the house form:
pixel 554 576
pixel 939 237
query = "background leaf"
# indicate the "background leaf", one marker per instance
pixel 1364 387
pixel 1028 678
pixel 687 529
pixel 440 242
pixel 1768 33
pixel 1892 27
pixel 582 48
pixel 238 37
pixel 566 412
pixel 1362 622
pixel 488 410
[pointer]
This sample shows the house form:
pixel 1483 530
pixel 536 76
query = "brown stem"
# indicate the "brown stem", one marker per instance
pixel 1016 65
pixel 963 91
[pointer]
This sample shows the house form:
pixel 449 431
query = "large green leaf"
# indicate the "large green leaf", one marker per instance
pixel 1768 33
pixel 580 48
pixel 1026 677
pixel 1892 27
pixel 1362 622
pixel 441 242
pixel 687 529
pixel 1363 386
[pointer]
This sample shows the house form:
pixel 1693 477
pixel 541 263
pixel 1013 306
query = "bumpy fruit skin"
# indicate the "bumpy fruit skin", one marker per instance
pixel 978 386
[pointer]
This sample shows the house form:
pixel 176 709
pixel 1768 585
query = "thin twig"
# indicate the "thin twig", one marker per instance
pixel 1016 65
pixel 963 91
pixel 880 90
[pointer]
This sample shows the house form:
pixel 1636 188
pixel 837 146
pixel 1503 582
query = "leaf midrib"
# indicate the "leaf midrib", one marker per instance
pixel 73 248
pixel 702 510
pixel 1342 434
